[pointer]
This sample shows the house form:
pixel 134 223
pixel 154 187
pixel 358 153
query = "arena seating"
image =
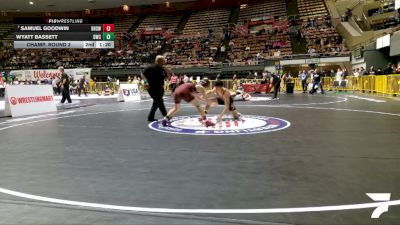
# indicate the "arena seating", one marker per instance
pixel 266 36
pixel 386 22
pixel 321 36
pixel 311 8
pixel 122 24
pixel 6 31
pixel 201 38
pixel 189 50
pixel 275 8
pixel 201 22
pixel 255 45
pixel 165 22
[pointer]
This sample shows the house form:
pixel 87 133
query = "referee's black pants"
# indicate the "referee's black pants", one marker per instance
pixel 277 86
pixel 65 95
pixel 158 103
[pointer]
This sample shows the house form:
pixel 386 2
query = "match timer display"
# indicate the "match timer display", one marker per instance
pixel 64 33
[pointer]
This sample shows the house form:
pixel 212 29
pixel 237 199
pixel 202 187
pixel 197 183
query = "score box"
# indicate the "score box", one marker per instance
pixel 108 27
pixel 108 37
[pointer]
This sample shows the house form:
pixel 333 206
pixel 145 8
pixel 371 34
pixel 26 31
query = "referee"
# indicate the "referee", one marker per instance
pixel 155 76
pixel 64 86
pixel 275 81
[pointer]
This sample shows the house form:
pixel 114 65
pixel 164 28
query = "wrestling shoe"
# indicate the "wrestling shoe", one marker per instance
pixel 164 122
pixel 209 123
pixel 239 118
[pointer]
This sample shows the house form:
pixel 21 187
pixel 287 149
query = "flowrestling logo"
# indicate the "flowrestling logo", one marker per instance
pixel 248 124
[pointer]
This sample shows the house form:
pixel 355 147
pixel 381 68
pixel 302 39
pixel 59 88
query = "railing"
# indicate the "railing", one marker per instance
pixel 220 64
pixel 382 84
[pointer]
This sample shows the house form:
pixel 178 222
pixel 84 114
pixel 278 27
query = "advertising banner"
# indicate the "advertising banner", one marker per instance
pixel 23 100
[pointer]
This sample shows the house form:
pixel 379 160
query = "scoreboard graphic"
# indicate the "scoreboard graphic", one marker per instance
pixel 31 33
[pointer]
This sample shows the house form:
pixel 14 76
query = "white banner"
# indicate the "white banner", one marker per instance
pixel 23 100
pixel 128 92
pixel 34 75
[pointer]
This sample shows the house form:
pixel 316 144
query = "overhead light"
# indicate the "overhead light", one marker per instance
pixel 31 3
pixel 125 8
pixel 167 3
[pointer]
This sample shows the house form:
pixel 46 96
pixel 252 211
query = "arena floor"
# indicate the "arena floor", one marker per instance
pixel 316 168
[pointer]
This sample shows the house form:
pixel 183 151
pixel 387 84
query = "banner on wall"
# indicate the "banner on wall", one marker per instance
pixel 48 74
pixel 128 92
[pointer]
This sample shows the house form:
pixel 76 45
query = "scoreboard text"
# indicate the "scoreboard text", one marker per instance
pixel 64 33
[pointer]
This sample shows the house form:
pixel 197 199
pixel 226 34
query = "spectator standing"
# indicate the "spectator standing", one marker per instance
pixel 316 82
pixel 54 83
pixel 388 70
pixel 371 71
pixel 235 83
pixel 356 76
pixel 155 76
pixel 363 71
pixel 303 77
pixel 82 86
pixel 339 75
pixel 173 82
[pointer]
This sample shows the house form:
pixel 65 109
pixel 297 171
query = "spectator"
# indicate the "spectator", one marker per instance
pixel 316 82
pixel 173 82
pixel 356 73
pixel 82 86
pixel 388 70
pixel 303 77
pixel 371 71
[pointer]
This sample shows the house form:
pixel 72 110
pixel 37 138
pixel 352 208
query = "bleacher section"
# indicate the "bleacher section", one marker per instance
pixel 267 39
pixel 165 22
pixel 202 36
pixel 263 32
pixel 311 8
pixel 6 31
pixel 275 8
pixel 321 36
pixel 122 24
pixel 256 46
pixel 386 22
pixel 201 22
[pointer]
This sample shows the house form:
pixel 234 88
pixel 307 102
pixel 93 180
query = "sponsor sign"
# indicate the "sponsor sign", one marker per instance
pixel 23 100
pixel 34 75
pixel 128 92
pixel 312 61
pixel 249 124
pixel 260 88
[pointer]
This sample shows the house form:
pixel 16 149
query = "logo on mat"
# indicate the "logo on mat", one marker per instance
pixel 247 125
pixel 13 101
